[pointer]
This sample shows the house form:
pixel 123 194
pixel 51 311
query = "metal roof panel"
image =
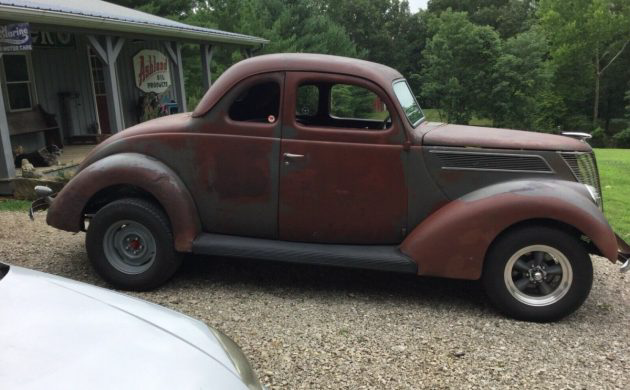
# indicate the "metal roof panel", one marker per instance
pixel 104 11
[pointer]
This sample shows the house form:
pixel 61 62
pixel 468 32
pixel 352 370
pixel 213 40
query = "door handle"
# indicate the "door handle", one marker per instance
pixel 288 157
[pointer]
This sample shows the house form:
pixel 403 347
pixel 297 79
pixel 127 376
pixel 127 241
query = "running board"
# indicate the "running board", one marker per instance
pixel 376 257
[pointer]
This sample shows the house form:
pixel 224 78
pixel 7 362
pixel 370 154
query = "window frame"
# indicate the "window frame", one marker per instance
pixel 246 85
pixel 417 123
pixel 32 91
pixel 396 134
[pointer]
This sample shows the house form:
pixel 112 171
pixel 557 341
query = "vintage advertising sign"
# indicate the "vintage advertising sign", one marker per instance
pixel 52 40
pixel 15 37
pixel 151 71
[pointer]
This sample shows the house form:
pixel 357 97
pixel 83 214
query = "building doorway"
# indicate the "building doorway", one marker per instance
pixel 100 93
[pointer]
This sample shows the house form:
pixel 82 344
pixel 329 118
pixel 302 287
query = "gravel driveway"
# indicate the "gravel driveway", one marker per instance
pixel 313 327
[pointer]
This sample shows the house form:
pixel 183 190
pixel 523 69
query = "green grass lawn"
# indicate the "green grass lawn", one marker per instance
pixel 14 205
pixel 614 170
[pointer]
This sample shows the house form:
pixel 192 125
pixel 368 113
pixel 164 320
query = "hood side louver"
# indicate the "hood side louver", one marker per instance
pixel 498 162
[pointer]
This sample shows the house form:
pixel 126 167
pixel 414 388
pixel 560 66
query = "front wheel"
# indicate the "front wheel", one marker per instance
pixel 130 245
pixel 537 274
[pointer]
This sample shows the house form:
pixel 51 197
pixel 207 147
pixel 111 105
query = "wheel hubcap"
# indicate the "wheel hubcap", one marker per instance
pixel 538 275
pixel 129 247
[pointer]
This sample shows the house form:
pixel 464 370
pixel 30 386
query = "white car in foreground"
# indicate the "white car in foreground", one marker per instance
pixel 57 333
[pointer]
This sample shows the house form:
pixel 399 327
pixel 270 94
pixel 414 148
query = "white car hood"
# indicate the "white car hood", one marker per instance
pixel 59 333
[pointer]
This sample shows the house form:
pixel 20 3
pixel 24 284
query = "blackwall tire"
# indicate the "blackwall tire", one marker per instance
pixel 130 245
pixel 537 273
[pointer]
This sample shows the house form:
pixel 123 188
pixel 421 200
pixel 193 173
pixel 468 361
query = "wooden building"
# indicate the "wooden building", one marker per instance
pixel 75 70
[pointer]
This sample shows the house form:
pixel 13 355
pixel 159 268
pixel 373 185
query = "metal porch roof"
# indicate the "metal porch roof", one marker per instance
pixel 104 16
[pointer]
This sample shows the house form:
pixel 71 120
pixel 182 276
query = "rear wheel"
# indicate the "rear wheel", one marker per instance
pixel 537 274
pixel 130 245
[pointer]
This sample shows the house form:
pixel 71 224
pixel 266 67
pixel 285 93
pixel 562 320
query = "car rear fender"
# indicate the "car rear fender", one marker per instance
pixel 67 209
pixel 453 241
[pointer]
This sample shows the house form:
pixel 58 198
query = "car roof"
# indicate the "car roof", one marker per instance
pixel 380 74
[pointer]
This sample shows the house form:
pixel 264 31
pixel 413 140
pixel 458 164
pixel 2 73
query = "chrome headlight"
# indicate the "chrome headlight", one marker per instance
pixel 597 198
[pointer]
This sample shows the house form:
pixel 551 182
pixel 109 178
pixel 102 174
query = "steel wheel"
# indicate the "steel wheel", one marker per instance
pixel 129 247
pixel 538 275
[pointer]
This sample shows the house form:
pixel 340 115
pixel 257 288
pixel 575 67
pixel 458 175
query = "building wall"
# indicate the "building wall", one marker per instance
pixel 68 70
pixel 59 70
pixel 130 94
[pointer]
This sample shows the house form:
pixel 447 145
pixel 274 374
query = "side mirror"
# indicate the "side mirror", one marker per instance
pixel 43 191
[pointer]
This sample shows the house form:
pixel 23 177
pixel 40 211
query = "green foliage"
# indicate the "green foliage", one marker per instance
pixel 519 82
pixel 599 139
pixel 587 37
pixel 622 139
pixel 14 205
pixel 508 17
pixel 173 8
pixel 349 101
pixel 458 64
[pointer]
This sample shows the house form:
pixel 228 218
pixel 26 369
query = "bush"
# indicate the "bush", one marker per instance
pixel 599 140
pixel 581 123
pixel 622 139
pixel 617 124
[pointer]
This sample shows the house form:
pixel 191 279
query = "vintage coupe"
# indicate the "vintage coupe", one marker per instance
pixel 329 160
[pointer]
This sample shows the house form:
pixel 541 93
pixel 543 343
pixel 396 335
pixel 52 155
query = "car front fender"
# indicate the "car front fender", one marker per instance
pixel 67 208
pixel 453 241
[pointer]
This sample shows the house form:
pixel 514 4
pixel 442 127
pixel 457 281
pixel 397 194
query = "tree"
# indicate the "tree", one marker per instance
pixel 587 36
pixel 508 17
pixel 520 82
pixel 171 8
pixel 458 64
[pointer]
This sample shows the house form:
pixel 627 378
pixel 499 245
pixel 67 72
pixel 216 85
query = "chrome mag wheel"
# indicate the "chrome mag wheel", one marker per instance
pixel 538 275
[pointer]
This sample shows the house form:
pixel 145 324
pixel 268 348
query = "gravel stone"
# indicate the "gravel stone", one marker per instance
pixel 306 327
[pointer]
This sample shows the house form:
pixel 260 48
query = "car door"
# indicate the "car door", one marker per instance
pixel 233 159
pixel 341 178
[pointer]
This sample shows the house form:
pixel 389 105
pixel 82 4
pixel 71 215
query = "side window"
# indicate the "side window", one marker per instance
pixel 343 106
pixel 307 100
pixel 354 102
pixel 18 79
pixel 258 103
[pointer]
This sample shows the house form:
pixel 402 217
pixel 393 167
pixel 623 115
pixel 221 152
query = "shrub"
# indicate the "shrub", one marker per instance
pixel 581 123
pixel 622 138
pixel 617 124
pixel 599 139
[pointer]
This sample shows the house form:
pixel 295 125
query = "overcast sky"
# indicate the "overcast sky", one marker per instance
pixel 415 4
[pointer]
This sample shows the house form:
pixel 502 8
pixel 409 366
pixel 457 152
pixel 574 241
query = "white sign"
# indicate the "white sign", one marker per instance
pixel 151 71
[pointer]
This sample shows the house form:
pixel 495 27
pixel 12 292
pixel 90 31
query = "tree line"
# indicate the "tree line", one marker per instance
pixel 543 65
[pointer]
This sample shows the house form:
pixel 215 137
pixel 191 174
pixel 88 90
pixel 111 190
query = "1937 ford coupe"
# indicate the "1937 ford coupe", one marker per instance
pixel 329 160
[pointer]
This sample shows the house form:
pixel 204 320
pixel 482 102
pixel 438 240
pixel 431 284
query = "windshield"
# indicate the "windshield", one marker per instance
pixel 408 102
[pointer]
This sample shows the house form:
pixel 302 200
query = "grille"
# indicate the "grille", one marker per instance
pixel 584 168
pixel 493 162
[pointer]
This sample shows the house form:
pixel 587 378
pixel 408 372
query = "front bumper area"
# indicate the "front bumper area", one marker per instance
pixel 623 254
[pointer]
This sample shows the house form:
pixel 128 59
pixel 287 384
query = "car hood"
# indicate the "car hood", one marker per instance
pixel 441 134
pixel 66 334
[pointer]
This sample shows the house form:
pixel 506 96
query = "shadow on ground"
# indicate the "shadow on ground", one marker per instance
pixel 299 280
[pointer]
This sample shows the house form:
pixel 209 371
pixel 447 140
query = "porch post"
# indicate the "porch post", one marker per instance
pixel 108 54
pixel 247 52
pixel 7 169
pixel 174 50
pixel 206 63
